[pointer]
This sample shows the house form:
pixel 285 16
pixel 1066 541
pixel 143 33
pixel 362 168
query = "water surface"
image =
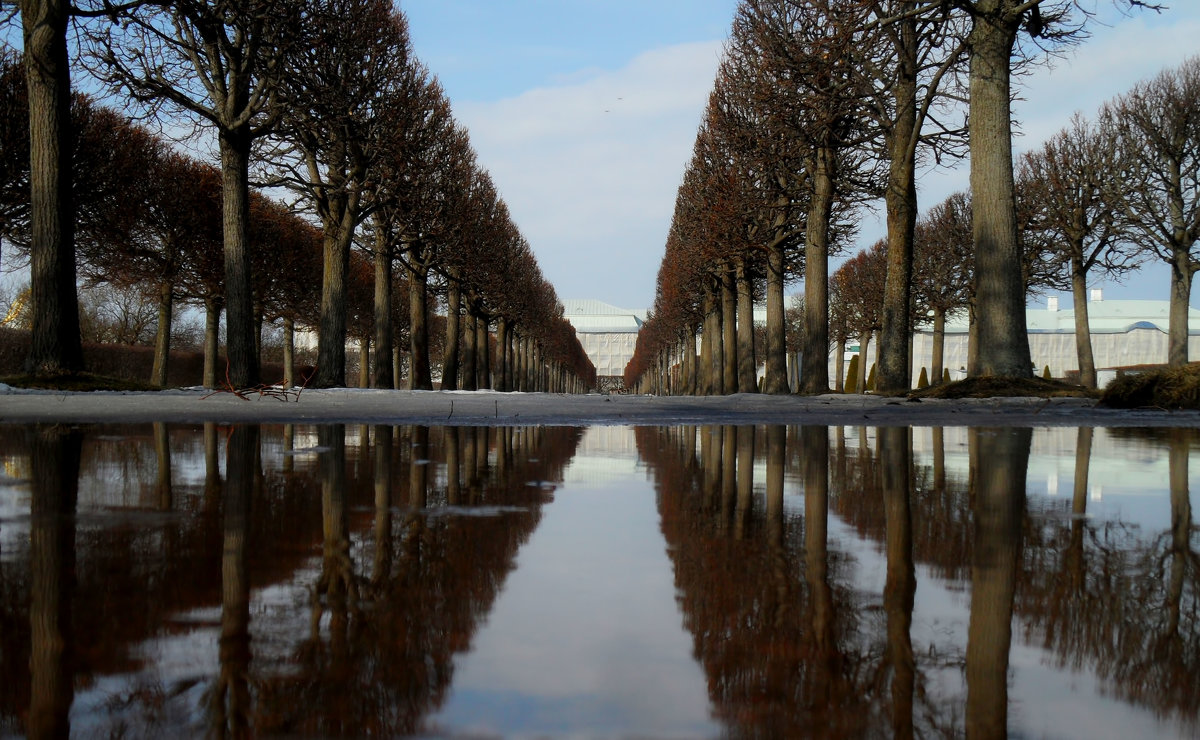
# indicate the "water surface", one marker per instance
pixel 603 582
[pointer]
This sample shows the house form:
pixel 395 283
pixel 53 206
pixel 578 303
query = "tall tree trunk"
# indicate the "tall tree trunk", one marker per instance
pixel 705 375
pixel 483 355
pixel 1177 323
pixel 289 352
pixel 839 362
pixel 503 358
pixel 364 361
pixel 937 363
pixel 55 343
pixel 747 363
pixel 775 381
pixel 469 354
pixel 860 380
pixel 973 338
pixel 383 309
pixel 420 378
pixel 212 321
pixel 162 337
pixel 729 343
pixel 814 376
pixel 331 341
pixel 895 361
pixel 239 295
pixel 1000 285
pixel 688 369
pixel 453 336
pixel 1083 329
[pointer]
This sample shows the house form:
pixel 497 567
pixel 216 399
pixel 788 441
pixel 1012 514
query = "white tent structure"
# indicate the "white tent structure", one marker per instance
pixel 608 335
pixel 1124 333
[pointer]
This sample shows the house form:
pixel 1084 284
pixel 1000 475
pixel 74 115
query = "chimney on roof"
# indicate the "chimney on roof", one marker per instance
pixel 1097 295
pixel 1052 303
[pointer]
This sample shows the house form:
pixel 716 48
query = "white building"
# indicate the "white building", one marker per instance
pixel 608 334
pixel 1124 333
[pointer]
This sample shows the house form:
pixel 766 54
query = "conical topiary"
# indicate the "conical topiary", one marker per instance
pixel 871 378
pixel 852 375
pixel 923 381
pixel 1046 373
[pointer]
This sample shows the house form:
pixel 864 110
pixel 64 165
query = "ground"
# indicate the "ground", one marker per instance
pixel 487 408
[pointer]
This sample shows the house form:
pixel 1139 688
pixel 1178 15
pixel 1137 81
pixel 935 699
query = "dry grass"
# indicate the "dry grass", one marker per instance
pixel 994 387
pixel 1162 388
pixel 79 382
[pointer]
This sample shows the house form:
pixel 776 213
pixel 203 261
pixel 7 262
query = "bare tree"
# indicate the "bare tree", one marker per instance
pixel 56 346
pixel 340 93
pixel 219 61
pixel 942 267
pixel 1068 185
pixel 992 43
pixel 1158 129
pixel 911 62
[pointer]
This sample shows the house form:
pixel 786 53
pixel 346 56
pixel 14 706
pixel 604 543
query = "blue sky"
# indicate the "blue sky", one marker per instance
pixel 585 112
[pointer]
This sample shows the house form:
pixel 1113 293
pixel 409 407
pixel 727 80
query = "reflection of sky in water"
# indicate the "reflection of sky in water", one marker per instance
pixel 586 639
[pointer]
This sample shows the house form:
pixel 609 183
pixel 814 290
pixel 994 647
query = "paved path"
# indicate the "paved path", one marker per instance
pixel 501 409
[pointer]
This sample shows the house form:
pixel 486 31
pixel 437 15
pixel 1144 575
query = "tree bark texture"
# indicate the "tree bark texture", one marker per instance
pixel 162 337
pixel 729 339
pixel 775 380
pixel 240 342
pixel 1177 322
pixel 895 361
pixel 814 376
pixel 331 339
pixel 453 334
pixel 1083 330
pixel 747 364
pixel 55 346
pixel 212 324
pixel 383 312
pixel 419 376
pixel 1000 286
pixel 469 357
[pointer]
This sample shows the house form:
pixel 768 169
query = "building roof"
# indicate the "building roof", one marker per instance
pixel 1104 317
pixel 597 317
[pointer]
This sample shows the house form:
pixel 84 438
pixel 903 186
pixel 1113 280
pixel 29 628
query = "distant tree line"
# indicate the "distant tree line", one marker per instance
pixel 387 216
pixel 822 106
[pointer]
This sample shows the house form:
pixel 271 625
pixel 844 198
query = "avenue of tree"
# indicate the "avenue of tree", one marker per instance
pixel 388 213
pixel 820 107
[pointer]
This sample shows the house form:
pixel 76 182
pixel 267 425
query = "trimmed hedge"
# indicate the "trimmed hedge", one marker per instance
pixel 184 369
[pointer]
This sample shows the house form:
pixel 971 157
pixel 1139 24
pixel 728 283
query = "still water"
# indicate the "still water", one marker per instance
pixel 608 582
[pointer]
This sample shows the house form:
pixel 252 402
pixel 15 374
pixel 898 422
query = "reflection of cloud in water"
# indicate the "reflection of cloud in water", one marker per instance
pixel 476 511
pixel 315 450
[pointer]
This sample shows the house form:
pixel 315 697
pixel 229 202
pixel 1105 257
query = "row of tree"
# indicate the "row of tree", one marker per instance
pixel 325 101
pixel 1096 200
pixel 818 107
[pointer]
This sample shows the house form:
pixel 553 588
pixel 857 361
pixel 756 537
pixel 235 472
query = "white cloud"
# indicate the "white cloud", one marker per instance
pixel 590 169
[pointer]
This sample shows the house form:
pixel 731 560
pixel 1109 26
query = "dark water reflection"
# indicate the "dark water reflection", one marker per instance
pixel 610 582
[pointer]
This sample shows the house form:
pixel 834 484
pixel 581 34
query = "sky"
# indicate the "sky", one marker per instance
pixel 585 113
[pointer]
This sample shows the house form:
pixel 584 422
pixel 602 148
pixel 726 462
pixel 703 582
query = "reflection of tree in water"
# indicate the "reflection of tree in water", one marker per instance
pixel 381 656
pixel 772 617
pixel 1099 595
pixel 1123 603
pixel 421 590
pixel 942 509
